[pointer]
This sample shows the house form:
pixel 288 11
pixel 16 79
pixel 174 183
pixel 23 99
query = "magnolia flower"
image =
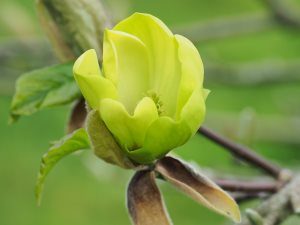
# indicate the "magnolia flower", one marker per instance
pixel 149 91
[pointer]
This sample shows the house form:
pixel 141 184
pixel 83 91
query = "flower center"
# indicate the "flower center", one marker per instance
pixel 158 102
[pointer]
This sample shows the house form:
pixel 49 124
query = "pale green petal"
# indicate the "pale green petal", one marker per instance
pixel 87 64
pixel 88 76
pixel 125 62
pixel 162 47
pixel 162 136
pixel 94 88
pixel 193 112
pixel 191 69
pixel 128 130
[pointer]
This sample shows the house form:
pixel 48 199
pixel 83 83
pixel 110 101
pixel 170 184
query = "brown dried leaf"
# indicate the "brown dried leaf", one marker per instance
pixel 144 200
pixel 198 187
pixel 78 115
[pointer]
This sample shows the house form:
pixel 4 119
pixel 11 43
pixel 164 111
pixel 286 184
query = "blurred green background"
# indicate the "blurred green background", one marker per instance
pixel 253 72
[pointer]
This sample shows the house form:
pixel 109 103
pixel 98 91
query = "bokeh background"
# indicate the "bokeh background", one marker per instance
pixel 252 62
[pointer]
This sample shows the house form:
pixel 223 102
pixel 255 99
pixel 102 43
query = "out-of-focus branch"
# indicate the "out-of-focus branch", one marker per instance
pixel 254 73
pixel 242 197
pixel 243 153
pixel 280 206
pixel 226 27
pixel 247 186
pixel 284 12
pixel 265 128
pixel 74 26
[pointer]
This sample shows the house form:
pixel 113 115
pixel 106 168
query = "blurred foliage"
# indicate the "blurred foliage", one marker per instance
pixel 73 195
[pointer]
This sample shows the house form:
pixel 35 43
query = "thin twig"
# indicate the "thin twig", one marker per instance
pixel 243 153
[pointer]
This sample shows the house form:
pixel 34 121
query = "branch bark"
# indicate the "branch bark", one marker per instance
pixel 279 207
pixel 247 186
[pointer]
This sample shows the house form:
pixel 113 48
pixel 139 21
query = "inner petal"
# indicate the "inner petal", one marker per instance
pixel 125 62
pixel 164 64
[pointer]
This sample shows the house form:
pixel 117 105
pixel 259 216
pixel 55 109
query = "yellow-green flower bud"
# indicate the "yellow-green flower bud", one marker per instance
pixel 149 92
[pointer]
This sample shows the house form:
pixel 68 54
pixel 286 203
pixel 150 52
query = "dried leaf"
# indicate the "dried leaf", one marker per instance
pixel 77 117
pixel 198 187
pixel 103 142
pixel 144 201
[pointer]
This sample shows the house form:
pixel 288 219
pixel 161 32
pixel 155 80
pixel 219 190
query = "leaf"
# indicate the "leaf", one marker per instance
pixel 198 187
pixel 76 141
pixel 103 142
pixel 144 200
pixel 43 88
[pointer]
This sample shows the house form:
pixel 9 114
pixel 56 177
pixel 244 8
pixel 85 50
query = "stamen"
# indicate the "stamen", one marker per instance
pixel 156 99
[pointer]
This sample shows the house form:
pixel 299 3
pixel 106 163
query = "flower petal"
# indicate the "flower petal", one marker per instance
pixel 93 86
pixel 191 69
pixel 129 130
pixel 193 112
pixel 162 47
pixel 162 136
pixel 87 64
pixel 125 62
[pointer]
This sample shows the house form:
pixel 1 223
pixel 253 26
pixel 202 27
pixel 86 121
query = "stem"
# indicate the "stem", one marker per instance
pixel 242 153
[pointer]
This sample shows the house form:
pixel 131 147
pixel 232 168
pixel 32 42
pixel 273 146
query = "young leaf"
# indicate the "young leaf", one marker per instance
pixel 144 200
pixel 103 142
pixel 78 140
pixel 198 187
pixel 47 87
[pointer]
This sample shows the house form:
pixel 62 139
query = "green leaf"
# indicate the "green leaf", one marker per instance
pixel 75 141
pixel 47 87
pixel 103 143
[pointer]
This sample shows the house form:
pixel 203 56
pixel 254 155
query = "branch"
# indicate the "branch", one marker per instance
pixel 269 71
pixel 243 153
pixel 284 12
pixel 247 186
pixel 241 197
pixel 225 27
pixel 280 206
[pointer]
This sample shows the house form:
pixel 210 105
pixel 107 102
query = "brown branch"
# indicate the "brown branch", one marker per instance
pixel 241 197
pixel 279 207
pixel 243 153
pixel 247 186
